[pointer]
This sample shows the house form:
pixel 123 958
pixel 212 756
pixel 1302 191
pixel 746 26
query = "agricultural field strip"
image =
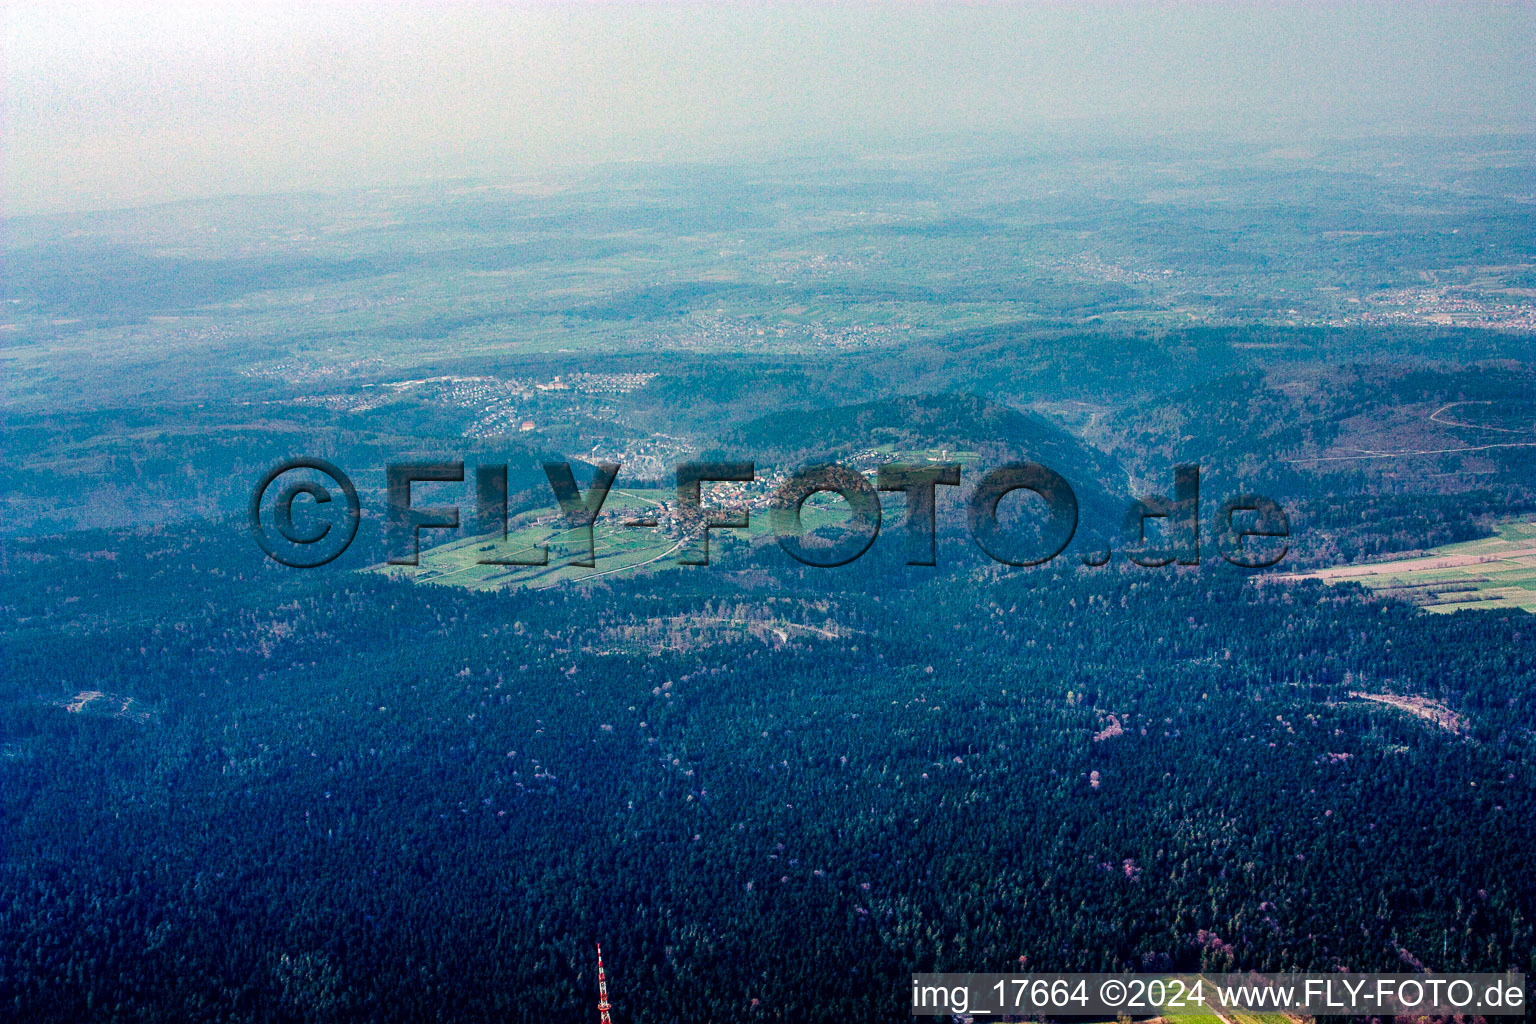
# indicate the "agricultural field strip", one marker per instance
pixel 1495 572
pixel 1419 565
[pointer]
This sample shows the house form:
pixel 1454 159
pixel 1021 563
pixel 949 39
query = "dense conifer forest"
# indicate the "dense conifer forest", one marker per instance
pixel 339 796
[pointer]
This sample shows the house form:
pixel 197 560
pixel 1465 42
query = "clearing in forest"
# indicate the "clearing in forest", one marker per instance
pixel 1494 572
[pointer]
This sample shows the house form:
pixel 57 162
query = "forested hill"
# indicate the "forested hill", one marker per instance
pixel 929 424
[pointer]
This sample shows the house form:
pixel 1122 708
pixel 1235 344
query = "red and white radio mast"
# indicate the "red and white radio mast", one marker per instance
pixel 603 1005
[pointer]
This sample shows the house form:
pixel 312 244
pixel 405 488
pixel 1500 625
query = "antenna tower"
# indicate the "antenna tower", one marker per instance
pixel 603 1005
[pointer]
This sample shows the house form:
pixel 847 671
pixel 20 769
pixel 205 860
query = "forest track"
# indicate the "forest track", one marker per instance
pixel 1434 417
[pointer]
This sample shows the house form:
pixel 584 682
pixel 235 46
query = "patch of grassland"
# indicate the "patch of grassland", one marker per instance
pixel 619 551
pixel 1491 572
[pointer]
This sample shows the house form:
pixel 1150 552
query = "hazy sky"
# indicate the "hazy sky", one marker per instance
pixel 120 104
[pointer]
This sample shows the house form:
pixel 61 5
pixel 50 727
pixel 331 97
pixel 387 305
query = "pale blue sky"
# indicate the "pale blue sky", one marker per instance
pixel 120 104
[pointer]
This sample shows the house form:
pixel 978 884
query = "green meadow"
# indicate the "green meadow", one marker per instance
pixel 618 551
pixel 1492 572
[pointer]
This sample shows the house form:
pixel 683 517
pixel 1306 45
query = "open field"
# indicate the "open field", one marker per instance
pixel 619 551
pixel 1494 572
pixel 616 549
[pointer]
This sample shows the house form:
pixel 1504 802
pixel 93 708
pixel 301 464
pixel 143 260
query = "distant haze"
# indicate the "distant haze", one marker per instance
pixel 120 104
